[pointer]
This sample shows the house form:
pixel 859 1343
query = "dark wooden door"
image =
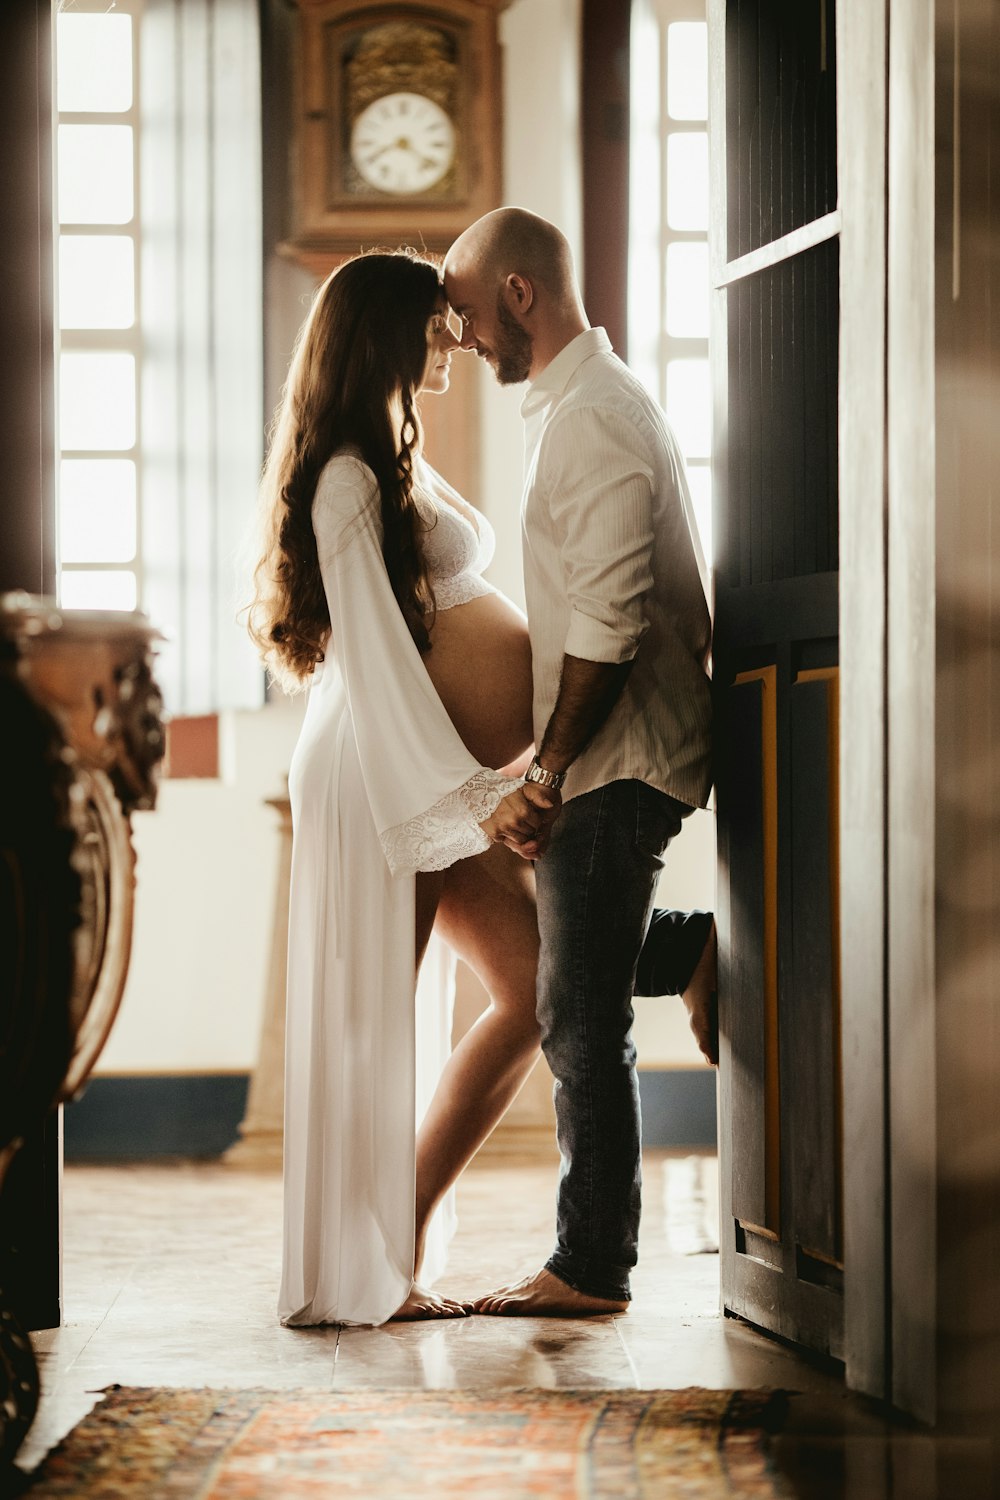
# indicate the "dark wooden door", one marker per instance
pixel 30 1223
pixel 775 358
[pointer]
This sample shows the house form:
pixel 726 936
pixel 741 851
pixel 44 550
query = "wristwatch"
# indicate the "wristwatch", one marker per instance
pixel 537 772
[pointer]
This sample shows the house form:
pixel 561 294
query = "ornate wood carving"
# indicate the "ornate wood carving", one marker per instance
pixel 80 741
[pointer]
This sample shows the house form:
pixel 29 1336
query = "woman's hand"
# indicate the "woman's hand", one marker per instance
pixel 524 819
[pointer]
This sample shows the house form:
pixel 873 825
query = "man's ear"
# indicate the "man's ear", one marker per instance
pixel 519 293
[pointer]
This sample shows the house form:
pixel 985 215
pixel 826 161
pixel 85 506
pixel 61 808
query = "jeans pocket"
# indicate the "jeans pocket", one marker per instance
pixel 658 819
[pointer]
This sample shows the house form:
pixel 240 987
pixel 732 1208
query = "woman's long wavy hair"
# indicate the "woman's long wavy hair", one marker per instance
pixel 357 366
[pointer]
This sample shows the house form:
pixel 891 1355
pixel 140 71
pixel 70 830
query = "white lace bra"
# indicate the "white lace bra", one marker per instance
pixel 456 550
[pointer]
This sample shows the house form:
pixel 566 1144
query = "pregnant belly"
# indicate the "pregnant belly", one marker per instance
pixel 480 664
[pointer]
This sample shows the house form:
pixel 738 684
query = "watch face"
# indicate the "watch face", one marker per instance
pixel 402 143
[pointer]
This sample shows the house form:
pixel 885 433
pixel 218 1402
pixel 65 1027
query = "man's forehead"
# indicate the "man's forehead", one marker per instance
pixel 459 284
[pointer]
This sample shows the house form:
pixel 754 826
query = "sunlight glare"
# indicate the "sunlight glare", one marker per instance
pixel 96 281
pixel 95 174
pixel 687 179
pixel 94 63
pixel 97 510
pixel 689 405
pixel 687 70
pixel 97 400
pixel 100 588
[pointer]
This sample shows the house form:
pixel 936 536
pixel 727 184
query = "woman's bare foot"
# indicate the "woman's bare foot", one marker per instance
pixel 422 1304
pixel 702 1001
pixel 544 1296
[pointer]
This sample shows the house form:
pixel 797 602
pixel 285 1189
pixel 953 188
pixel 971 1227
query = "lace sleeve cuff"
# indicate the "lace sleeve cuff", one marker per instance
pixel 449 830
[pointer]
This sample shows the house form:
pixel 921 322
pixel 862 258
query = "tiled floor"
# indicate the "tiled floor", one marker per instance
pixel 170 1279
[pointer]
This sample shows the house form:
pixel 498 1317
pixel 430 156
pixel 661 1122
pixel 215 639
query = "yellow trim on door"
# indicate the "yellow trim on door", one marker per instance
pixel 767 677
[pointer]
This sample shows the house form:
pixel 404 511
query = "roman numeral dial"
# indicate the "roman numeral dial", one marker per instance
pixel 402 143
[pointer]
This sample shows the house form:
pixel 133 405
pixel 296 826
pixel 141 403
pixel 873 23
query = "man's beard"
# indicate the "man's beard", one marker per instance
pixel 513 350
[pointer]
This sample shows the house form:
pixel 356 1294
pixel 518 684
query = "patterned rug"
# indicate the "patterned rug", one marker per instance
pixel 150 1444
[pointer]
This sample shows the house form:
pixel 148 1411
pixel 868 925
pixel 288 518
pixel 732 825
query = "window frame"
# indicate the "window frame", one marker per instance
pixel 101 340
pixel 650 234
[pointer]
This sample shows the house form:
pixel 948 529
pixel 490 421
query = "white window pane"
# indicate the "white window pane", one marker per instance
pixel 687 179
pixel 687 290
pixel 99 588
pixel 689 405
pixel 97 400
pixel 95 174
pixel 97 511
pixel 94 63
pixel 687 70
pixel 96 281
pixel 700 485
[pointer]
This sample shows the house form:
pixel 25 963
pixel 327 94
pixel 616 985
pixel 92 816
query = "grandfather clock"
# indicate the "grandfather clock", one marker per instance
pixel 398 140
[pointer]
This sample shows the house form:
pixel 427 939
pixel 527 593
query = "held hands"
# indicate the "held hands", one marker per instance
pixel 523 821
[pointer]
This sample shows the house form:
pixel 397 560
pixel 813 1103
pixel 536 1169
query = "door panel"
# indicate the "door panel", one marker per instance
pixel 779 996
pixel 781 105
pixel 753 975
pixel 813 1021
pixel 776 266
pixel 781 521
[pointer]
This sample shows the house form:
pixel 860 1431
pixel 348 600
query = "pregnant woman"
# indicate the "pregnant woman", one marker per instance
pixel 369 591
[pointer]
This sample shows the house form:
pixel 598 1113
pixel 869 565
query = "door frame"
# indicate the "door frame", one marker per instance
pixel 886 456
pixel 862 59
pixel 887 500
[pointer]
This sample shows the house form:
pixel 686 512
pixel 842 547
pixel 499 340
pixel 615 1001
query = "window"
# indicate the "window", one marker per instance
pixel 97 175
pixel 160 311
pixel 668 231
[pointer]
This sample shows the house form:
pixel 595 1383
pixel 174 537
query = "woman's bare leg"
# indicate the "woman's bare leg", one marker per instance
pixel 486 912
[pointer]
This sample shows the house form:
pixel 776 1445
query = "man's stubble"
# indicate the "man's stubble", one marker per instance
pixel 513 352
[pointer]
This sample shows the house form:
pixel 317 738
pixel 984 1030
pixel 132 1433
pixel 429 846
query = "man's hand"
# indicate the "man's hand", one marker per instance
pixel 548 801
pixel 523 820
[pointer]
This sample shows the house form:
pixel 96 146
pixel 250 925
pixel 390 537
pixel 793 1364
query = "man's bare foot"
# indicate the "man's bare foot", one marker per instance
pixel 702 1001
pixel 422 1304
pixel 544 1296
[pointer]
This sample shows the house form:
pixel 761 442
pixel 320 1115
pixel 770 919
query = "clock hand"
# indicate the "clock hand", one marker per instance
pixel 400 145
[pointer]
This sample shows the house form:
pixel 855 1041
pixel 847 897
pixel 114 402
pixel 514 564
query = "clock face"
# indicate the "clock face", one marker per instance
pixel 402 143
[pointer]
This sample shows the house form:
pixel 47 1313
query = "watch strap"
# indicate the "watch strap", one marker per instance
pixel 537 773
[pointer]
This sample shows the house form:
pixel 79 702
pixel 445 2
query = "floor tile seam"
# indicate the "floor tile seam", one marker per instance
pixel 97 1326
pixel 623 1345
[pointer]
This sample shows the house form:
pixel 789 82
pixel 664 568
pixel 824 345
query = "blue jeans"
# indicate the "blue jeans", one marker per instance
pixel 595 894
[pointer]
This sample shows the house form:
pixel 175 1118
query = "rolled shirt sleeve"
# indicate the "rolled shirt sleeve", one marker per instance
pixel 601 499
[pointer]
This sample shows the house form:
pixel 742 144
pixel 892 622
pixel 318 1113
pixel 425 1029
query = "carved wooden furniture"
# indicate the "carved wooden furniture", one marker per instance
pixel 80 739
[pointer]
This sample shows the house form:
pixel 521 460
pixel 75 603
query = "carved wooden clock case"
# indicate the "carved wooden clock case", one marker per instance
pixel 399 118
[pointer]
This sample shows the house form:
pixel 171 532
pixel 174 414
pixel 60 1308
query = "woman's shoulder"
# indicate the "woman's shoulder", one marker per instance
pixel 345 491
pixel 346 470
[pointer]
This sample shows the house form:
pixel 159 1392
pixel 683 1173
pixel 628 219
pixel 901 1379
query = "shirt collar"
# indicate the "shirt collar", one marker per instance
pixel 558 372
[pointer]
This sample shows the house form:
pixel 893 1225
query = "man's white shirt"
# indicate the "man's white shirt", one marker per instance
pixel 614 572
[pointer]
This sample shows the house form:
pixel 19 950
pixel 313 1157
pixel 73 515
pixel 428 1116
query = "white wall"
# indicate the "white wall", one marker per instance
pixel 207 856
pixel 206 864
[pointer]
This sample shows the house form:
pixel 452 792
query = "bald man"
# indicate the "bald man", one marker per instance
pixel 620 635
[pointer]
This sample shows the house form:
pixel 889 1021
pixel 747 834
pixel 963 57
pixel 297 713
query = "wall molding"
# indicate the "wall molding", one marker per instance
pixel 141 1117
pixel 145 1116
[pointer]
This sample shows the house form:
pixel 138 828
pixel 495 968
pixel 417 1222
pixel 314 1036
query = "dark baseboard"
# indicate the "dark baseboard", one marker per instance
pixel 146 1116
pixel 143 1117
pixel 678 1106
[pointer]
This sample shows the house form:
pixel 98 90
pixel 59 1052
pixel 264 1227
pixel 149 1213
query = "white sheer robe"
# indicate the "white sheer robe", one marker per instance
pixel 381 786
